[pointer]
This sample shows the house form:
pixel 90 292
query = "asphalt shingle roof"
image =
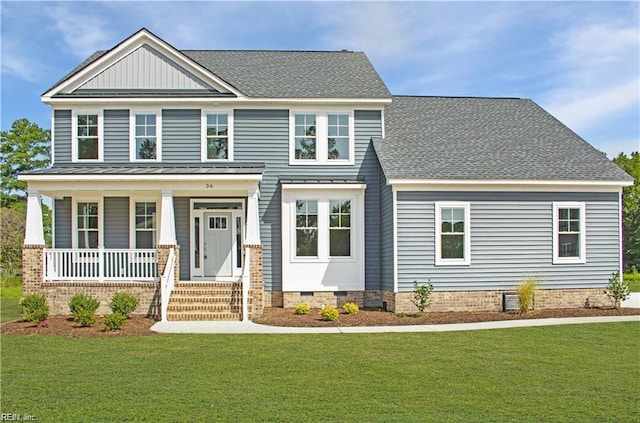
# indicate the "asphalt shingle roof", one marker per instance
pixel 486 139
pixel 287 74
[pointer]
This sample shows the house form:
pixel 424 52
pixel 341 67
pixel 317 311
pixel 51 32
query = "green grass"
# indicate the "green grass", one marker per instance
pixel 9 309
pixel 561 373
pixel 634 281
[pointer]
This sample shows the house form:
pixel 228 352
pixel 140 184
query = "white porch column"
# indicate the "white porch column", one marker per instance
pixel 167 220
pixel 34 232
pixel 252 235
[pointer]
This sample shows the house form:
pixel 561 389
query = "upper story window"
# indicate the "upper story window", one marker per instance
pixel 453 246
pixel 321 138
pixel 569 233
pixel 87 136
pixel 217 136
pixel 146 136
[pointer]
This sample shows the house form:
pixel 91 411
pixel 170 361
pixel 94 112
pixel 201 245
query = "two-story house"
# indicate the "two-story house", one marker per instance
pixel 214 183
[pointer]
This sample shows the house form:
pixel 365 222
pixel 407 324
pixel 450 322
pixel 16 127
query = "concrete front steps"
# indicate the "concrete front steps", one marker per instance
pixel 206 301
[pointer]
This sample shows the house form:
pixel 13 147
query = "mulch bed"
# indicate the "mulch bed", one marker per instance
pixel 140 325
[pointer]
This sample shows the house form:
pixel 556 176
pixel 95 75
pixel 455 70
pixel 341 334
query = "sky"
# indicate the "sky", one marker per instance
pixel 578 60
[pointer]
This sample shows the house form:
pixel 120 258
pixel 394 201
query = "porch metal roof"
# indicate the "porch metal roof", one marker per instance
pixel 152 169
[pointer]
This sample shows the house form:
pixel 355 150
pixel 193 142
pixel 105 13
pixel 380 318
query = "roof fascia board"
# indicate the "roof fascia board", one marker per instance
pixel 129 45
pixel 312 186
pixel 244 101
pixel 506 185
pixel 145 177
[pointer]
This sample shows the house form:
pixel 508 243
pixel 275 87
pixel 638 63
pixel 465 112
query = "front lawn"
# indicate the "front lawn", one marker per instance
pixel 561 373
pixel 9 309
pixel 634 281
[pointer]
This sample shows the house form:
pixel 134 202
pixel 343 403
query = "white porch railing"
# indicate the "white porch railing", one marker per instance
pixel 246 282
pixel 167 283
pixel 100 264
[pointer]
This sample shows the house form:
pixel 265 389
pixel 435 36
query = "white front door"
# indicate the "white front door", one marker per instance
pixel 218 244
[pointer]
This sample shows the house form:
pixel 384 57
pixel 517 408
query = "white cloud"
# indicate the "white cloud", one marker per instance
pixel 16 64
pixel 82 32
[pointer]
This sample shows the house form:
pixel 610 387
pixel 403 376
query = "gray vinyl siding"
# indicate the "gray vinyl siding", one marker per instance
pixel 145 68
pixel 62 136
pixel 116 136
pixel 263 136
pixel 116 222
pixel 182 215
pixel 62 223
pixel 386 236
pixel 511 237
pixel 181 136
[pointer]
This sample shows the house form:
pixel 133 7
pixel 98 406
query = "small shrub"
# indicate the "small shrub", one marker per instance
pixel 617 290
pixel 34 308
pixel 124 303
pixel 526 292
pixel 329 313
pixel 83 308
pixel 422 295
pixel 302 309
pixel 350 308
pixel 114 321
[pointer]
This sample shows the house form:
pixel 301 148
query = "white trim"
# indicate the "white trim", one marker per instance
pixel 74 134
pixel 582 259
pixel 321 137
pixel 132 134
pixel 315 187
pixel 466 260
pixel 267 102
pixel 126 47
pixel 131 178
pixel 74 218
pixel 502 185
pixel 383 130
pixel 203 133
pixel 620 235
pixel 395 241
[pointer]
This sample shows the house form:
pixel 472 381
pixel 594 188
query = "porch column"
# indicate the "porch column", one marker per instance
pixel 253 220
pixel 33 248
pixel 167 220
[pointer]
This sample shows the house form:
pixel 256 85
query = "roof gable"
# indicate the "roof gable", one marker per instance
pixel 158 66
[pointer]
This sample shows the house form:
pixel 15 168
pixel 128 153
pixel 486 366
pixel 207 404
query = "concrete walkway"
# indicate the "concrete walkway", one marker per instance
pixel 249 327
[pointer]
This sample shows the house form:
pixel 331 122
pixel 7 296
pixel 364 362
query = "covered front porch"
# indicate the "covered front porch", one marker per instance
pixel 120 228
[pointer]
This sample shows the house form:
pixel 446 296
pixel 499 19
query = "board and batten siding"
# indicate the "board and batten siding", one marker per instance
pixel 62 134
pixel 116 222
pixel 62 223
pixel 263 136
pixel 181 136
pixel 511 238
pixel 116 136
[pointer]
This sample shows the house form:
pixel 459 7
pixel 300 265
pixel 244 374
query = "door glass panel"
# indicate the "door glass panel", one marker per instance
pixel 196 241
pixel 238 242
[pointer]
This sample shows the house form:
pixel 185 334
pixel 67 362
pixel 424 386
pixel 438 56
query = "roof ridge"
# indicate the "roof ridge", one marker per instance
pixel 270 51
pixel 459 97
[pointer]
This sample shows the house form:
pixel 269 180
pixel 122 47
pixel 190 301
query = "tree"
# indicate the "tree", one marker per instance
pixel 24 148
pixel 11 237
pixel 631 210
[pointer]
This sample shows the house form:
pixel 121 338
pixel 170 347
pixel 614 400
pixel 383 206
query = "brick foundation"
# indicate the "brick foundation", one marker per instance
pixel 163 256
pixel 319 298
pixel 492 300
pixel 59 293
pixel 256 290
pixel 273 299
pixel 32 267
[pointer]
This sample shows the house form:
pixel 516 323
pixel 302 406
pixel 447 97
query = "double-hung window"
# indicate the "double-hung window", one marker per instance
pixel 321 138
pixel 146 134
pixel 145 224
pixel 569 233
pixel 339 228
pixel 87 224
pixel 87 136
pixel 453 246
pixel 217 136
pixel 306 228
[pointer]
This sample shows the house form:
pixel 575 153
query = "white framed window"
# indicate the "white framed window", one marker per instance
pixel 453 233
pixel 323 244
pixel 217 136
pixel 145 140
pixel 325 137
pixel 569 235
pixel 87 143
pixel 145 224
pixel 87 223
